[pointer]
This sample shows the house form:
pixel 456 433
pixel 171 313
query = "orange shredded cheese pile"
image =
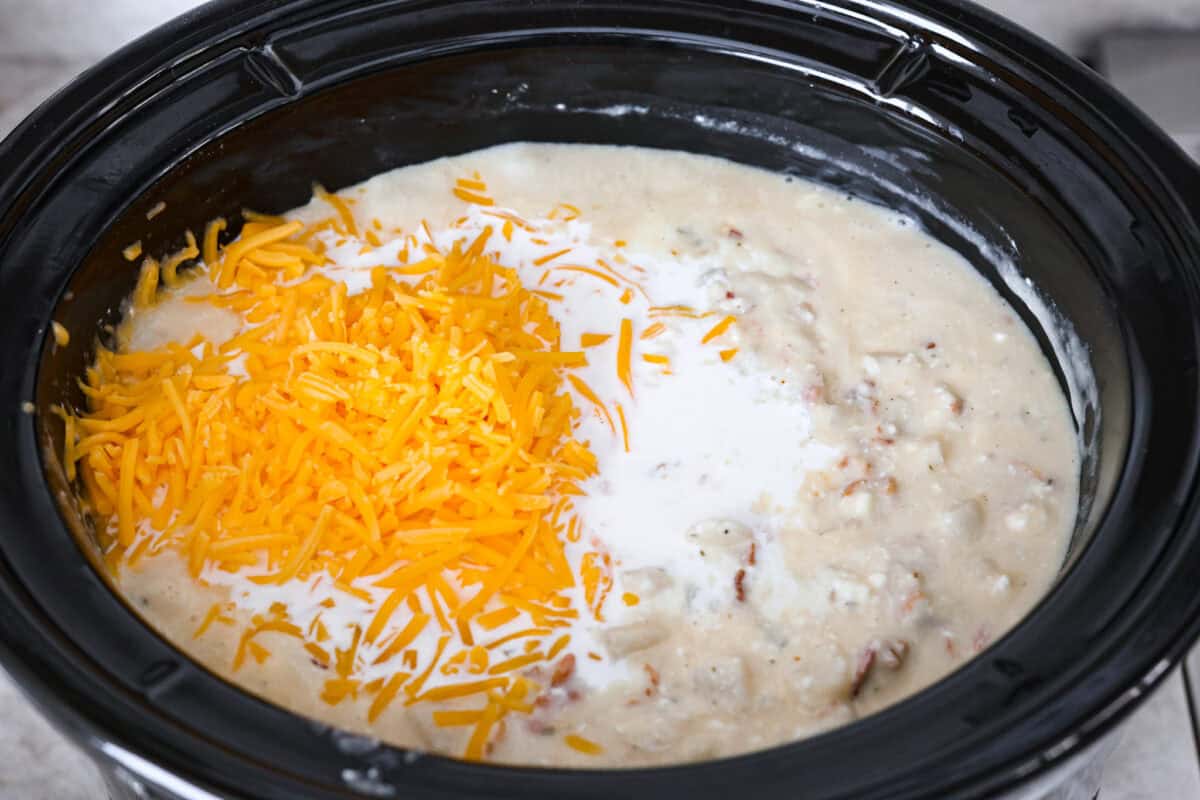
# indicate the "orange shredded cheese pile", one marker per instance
pixel 412 442
pixel 397 436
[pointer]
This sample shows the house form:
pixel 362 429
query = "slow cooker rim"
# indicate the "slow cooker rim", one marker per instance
pixel 163 37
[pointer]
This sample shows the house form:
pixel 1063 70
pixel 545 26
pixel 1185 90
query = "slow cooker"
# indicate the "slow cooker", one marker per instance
pixel 1075 206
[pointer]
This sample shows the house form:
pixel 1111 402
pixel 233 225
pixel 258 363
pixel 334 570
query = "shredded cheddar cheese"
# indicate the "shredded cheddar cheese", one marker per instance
pixel 582 745
pixel 398 435
pixel 718 329
pixel 624 354
pixel 411 445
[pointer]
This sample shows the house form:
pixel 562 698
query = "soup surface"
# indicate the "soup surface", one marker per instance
pixel 578 455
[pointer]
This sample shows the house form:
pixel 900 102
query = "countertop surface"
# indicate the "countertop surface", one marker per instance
pixel 44 43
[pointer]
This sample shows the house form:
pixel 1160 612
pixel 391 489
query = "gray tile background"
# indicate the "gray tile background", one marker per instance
pixel 44 43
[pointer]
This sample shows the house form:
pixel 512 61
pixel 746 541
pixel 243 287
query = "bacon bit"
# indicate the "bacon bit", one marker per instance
pixel 752 559
pixel 718 329
pixel 729 295
pixel 624 354
pixel 930 345
pixel 866 661
pixel 652 673
pixel 853 487
pixel 563 670
pixel 910 602
pixel 739 585
pixel 892 652
pixel 890 486
pixel 593 339
pixel 734 233
pixel 655 329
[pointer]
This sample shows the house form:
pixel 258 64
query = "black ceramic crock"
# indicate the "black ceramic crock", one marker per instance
pixel 1003 147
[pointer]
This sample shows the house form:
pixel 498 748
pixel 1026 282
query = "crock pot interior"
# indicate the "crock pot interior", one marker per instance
pixel 992 161
pixel 638 96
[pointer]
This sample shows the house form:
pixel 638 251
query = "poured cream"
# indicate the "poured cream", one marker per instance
pixel 884 471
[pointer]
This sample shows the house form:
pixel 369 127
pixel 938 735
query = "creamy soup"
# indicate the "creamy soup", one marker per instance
pixel 804 460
